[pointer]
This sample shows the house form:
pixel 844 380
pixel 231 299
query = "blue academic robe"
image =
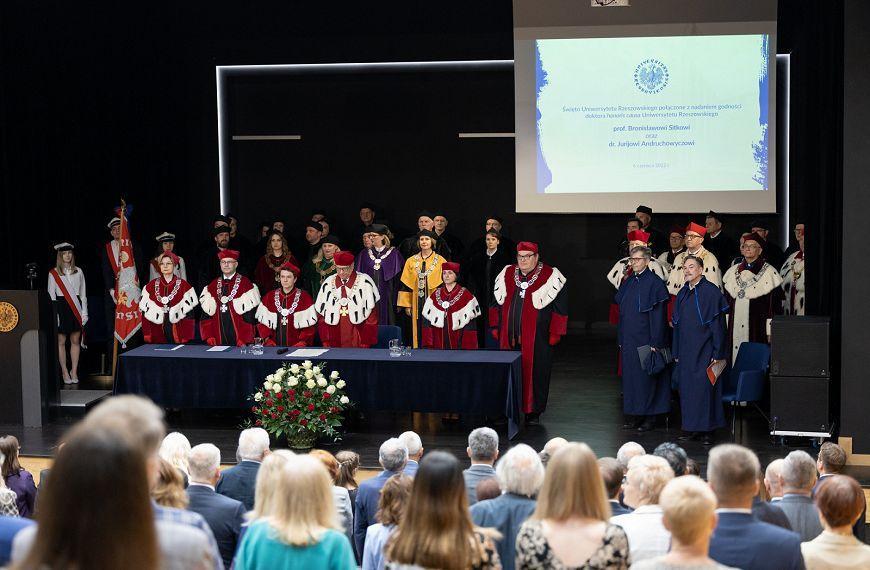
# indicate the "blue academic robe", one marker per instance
pixel 699 337
pixel 643 315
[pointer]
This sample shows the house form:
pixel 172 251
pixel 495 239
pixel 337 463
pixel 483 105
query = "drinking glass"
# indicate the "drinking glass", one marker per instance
pixel 395 348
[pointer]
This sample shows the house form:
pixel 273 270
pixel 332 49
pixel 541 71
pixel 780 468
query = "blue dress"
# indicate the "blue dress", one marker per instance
pixel 642 301
pixel 699 337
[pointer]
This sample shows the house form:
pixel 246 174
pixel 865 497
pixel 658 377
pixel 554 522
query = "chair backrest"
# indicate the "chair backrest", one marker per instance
pixel 752 356
pixel 386 333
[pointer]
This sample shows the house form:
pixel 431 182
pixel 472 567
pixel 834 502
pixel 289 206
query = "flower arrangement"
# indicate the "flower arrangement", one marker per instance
pixel 301 402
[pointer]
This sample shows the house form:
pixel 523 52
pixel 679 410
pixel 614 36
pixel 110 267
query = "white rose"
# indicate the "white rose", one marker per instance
pixel 340 384
pixel 309 374
pixel 294 368
pixel 322 382
pixel 280 373
pixel 293 382
pixel 258 396
pixel 310 384
pixel 306 365
pixel 316 370
pixel 330 389
pixel 276 387
pixel 268 382
pixel 270 378
pixel 334 374
pixel 344 400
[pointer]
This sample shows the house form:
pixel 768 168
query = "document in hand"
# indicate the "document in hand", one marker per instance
pixel 715 370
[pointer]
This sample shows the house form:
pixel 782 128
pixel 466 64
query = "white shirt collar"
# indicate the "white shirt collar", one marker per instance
pixel 743 511
pixel 195 484
pixel 228 278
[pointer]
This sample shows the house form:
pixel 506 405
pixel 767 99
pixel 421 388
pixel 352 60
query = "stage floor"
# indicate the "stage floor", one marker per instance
pixel 585 405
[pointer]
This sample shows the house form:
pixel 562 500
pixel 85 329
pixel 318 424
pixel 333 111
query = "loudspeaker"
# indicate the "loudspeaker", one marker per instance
pixel 799 404
pixel 799 346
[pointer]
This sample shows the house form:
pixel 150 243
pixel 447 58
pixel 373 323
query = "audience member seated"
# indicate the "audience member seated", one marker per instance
pixel 569 526
pixel 8 498
pixel 520 475
pixel 840 501
pixel 612 474
pixel 692 468
pixel 301 530
pixel 550 448
pixel 772 484
pixel 17 478
pixel 831 461
pixel 73 517
pixel 168 490
pixel 240 481
pixel 393 456
pixel 675 456
pixel 689 513
pixel 628 450
pixel 270 470
pixel 647 536
pixel 764 510
pixel 224 516
pixel 487 489
pixel 340 496
pixel 483 451
pixel 10 522
pixel 176 449
pixel 740 540
pixel 436 530
pixel 798 477
pixel 348 465
pixel 391 507
pixel 415 451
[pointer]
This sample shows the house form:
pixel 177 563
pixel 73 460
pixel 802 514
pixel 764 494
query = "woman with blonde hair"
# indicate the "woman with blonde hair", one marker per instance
pixel 645 479
pixel 264 490
pixel 301 529
pixel 66 288
pixel 176 450
pixel 569 528
pixel 343 507
pixel 169 489
pixel 436 530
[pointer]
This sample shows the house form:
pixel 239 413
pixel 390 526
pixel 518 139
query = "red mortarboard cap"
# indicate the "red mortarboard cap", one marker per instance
pixel 343 258
pixel 228 254
pixel 757 239
pixel 693 227
pixel 291 268
pixel 450 266
pixel 527 246
pixel 638 235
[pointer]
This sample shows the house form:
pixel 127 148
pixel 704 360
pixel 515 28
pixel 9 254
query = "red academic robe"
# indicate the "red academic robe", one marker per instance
pixel 166 311
pixel 265 277
pixel 347 311
pixel 295 326
pixel 532 323
pixel 455 324
pixel 754 296
pixel 229 307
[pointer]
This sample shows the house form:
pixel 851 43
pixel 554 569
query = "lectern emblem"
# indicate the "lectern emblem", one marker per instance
pixel 8 317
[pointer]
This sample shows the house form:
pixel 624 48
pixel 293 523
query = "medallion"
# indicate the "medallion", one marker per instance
pixel 445 305
pixel 164 300
pixel 284 321
pixel 343 301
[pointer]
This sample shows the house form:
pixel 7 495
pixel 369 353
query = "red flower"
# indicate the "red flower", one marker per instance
pixel 291 398
pixel 295 413
pixel 333 409
pixel 306 393
pixel 274 416
pixel 310 407
pixel 254 409
pixel 291 392
pixel 280 409
pixel 269 402
pixel 326 395
pixel 259 422
pixel 322 417
pixel 303 422
pixel 279 395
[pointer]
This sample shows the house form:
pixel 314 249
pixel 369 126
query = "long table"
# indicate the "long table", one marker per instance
pixel 435 381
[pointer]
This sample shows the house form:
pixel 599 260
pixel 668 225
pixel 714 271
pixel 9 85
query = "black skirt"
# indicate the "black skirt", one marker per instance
pixel 67 322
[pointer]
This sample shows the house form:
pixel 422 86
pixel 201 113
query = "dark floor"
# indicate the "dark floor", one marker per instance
pixel 585 405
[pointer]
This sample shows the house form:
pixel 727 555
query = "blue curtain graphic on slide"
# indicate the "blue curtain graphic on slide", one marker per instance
pixel 760 148
pixel 544 176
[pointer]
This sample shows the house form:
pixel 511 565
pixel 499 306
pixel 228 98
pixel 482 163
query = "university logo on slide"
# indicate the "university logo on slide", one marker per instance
pixel 651 76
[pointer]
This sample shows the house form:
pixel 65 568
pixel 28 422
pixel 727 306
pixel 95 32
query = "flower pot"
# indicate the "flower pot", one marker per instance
pixel 301 440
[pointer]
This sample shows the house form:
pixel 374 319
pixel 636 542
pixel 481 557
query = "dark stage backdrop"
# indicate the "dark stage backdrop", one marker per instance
pixel 103 100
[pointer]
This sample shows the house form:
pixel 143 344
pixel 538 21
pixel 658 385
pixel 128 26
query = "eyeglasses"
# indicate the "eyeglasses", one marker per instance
pixel 692 236
pixel 636 259
pixel 524 257
pixel 749 246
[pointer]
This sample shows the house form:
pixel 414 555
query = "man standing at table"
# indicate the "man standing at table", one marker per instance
pixel 347 303
pixel 700 340
pixel 229 303
pixel 530 314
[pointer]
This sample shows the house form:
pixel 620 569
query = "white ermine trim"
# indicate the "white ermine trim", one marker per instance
pixel 462 317
pixel 305 319
pixel 150 310
pixel 433 314
pixel 247 301
pixel 500 291
pixel 183 307
pixel 207 302
pixel 266 317
pixel 547 293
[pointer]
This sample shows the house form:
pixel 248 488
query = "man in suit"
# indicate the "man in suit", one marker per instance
pixel 771 480
pixel 798 478
pixel 224 516
pixel 393 456
pixel 483 451
pixel 239 482
pixel 415 452
pixel 740 540
pixel 831 461
pixel 612 473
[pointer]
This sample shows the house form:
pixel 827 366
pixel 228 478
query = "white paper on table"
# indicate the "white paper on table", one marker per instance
pixel 309 352
pixel 218 348
pixel 176 347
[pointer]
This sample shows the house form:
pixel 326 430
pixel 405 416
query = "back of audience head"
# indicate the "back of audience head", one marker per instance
pixel 798 473
pixel 414 444
pixel 611 474
pixel 9 449
pixel 253 445
pixel 550 448
pixel 840 501
pixel 205 464
pixel 647 475
pixel 487 489
pixel 265 497
pixel 348 464
pixel 520 471
pixel 168 489
pixel 689 510
pixel 394 499
pixel 732 471
pixel 628 450
pixel 832 458
pixel 305 509
pixel 675 456
pixel 393 455
pixel 71 514
pixel 771 478
pixel 572 486
pixel 483 445
pixel 692 468
pixel 328 460
pixel 137 416
pixel 175 448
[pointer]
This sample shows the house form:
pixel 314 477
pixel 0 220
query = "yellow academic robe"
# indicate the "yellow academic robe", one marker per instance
pixel 414 299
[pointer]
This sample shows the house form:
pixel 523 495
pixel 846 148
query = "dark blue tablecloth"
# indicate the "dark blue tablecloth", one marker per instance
pixel 436 381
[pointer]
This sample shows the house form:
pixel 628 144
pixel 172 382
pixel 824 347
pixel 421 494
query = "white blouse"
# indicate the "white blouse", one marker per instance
pixel 75 284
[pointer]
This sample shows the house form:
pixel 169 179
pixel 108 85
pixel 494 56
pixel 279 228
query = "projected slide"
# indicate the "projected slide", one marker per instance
pixel 652 114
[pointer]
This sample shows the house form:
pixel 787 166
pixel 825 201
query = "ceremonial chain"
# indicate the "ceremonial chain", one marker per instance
pixel 744 284
pixel 422 276
pixel 276 266
pixel 232 295
pixel 447 304
pixel 165 300
pixel 325 272
pixel 378 260
pixel 285 312
pixel 523 285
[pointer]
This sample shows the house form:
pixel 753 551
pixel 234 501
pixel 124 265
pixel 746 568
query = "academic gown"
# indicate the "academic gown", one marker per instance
pixel 722 246
pixel 266 275
pixel 752 305
pixel 170 321
pixel 642 301
pixel 699 337
pixel 452 327
pixel 296 327
pixel 454 244
pixel 420 277
pixel 658 243
pixel 349 318
pixel 384 270
pixel 794 283
pixel 233 323
pixel 480 280
pixel 314 272
pixel 533 324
